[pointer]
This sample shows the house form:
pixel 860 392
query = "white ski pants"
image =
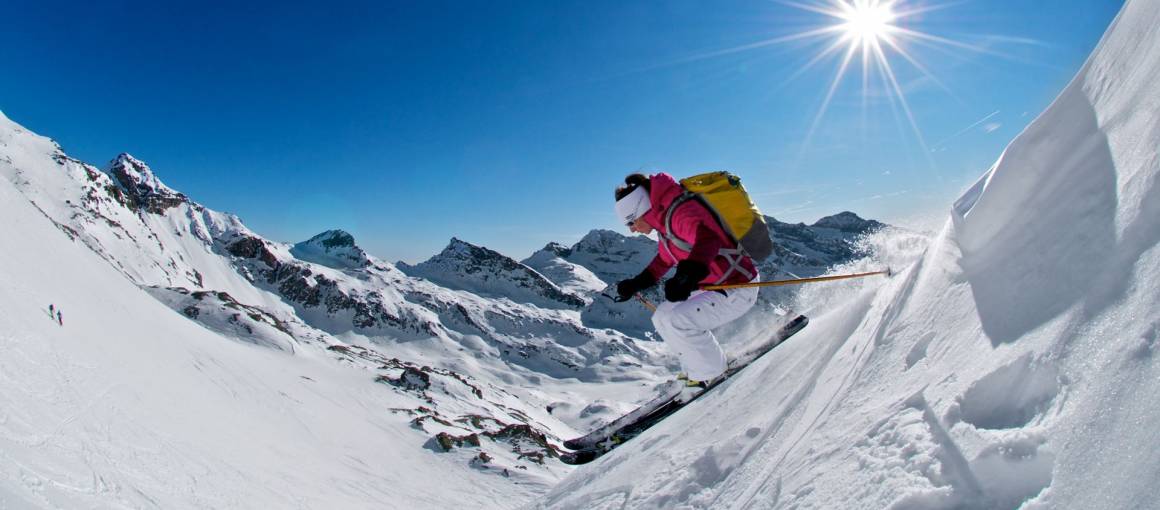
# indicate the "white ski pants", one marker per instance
pixel 685 326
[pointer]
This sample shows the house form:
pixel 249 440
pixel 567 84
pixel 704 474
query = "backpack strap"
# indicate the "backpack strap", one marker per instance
pixel 732 255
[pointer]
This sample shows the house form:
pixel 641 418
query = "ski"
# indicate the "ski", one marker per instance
pixel 671 397
pixel 665 393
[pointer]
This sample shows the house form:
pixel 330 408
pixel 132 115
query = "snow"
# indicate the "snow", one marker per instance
pixel 245 317
pixel 130 405
pixel 1012 365
pixel 1010 362
pixel 570 277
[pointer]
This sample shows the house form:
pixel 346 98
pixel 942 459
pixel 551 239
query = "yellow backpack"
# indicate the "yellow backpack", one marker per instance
pixel 725 197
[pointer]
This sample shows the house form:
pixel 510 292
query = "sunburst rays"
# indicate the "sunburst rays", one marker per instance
pixel 875 36
pixel 872 31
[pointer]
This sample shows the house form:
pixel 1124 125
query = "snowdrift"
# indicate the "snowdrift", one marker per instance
pixel 1013 366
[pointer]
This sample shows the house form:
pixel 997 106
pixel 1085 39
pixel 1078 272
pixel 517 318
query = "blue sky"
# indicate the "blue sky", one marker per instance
pixel 508 123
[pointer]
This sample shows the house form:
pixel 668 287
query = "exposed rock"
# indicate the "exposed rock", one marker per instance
pixel 410 379
pixel 558 249
pixel 526 441
pixel 219 311
pixel 142 189
pixel 253 248
pixel 448 441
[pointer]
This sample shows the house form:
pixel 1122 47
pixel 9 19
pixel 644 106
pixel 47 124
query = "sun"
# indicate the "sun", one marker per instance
pixel 866 22
pixel 873 35
pixel 868 32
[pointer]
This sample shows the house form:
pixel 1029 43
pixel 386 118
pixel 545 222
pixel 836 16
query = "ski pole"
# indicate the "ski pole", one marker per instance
pixel 651 307
pixel 795 281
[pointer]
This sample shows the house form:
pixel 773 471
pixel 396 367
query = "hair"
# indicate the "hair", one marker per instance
pixel 631 182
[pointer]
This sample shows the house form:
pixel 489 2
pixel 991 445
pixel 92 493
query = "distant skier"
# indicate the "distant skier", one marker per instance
pixel 684 321
pixel 51 309
pixel 59 318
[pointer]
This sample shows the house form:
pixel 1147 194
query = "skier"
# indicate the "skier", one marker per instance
pixel 688 315
pixel 59 318
pixel 51 309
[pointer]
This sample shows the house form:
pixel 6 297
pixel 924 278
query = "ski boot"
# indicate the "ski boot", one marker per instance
pixel 690 383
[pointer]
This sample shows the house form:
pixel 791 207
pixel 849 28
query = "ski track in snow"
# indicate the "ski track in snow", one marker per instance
pixel 861 351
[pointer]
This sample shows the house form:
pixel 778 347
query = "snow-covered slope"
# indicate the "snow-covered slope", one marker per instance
pixel 1014 365
pixel 488 370
pixel 611 256
pixel 571 277
pixel 489 383
pixel 131 405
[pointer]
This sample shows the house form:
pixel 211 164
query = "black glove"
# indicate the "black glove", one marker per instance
pixel 625 289
pixel 681 285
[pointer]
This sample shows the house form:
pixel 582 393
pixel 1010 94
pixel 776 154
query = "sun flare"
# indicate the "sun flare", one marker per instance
pixel 869 33
pixel 873 35
pixel 867 22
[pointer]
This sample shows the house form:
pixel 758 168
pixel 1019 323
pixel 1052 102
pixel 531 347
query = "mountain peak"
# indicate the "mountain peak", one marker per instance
pixel 332 248
pixel 133 175
pixel 141 186
pixel 557 249
pixel 458 249
pixel 465 266
pixel 334 239
pixel 847 221
pixel 601 235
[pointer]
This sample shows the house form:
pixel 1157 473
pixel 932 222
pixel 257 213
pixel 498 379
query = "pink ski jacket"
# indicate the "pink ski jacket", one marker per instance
pixel 694 224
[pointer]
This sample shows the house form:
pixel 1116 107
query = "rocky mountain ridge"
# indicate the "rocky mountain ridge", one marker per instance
pixel 465 266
